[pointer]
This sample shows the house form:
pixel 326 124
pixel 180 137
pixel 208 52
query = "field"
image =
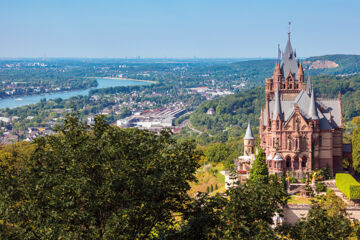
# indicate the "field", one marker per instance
pixel 208 175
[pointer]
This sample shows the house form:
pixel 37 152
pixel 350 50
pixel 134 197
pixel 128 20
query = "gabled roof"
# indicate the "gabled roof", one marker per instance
pixel 249 135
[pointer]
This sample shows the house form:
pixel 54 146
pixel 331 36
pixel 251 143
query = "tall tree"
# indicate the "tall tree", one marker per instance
pixel 259 171
pixel 356 145
pixel 98 183
pixel 327 211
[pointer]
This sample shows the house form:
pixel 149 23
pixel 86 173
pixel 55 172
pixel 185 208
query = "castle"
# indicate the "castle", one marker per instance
pixel 298 131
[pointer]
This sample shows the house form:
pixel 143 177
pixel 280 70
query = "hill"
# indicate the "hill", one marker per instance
pixel 258 70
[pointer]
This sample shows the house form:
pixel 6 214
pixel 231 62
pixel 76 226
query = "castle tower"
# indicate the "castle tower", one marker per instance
pixel 249 141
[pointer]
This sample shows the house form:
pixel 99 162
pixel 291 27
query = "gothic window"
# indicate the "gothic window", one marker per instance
pixel 288 162
pixel 303 163
pixel 277 125
pixel 320 141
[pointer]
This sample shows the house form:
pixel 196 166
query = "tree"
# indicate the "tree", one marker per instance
pixel 251 208
pixel 259 171
pixel 356 145
pixel 329 210
pixel 98 183
pixel 244 212
pixel 217 152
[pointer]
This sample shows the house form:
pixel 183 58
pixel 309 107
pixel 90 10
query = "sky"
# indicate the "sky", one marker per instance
pixel 177 28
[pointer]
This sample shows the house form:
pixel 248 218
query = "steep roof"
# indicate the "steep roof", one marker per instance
pixel 288 61
pixel 308 85
pixel 249 135
pixel 329 116
pixel 312 109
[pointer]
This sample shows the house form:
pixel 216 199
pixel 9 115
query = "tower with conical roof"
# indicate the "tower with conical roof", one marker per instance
pixel 249 141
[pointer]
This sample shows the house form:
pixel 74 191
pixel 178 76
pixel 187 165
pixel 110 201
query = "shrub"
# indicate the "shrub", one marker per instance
pixel 320 187
pixel 326 172
pixel 303 179
pixel 293 180
pixel 348 185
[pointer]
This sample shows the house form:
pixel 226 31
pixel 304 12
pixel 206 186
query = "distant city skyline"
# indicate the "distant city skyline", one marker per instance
pixel 177 29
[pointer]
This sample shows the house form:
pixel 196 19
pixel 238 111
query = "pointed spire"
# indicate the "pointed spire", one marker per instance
pixel 313 110
pixel 249 135
pixel 300 74
pixel 277 70
pixel 308 85
pixel 301 70
pixel 277 107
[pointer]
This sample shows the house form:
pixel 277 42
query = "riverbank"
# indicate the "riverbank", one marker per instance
pixel 33 99
pixel 126 79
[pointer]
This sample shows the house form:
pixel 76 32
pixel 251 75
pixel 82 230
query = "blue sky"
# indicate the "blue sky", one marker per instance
pixel 176 28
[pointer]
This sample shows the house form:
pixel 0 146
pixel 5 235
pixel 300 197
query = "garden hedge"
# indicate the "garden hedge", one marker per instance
pixel 348 185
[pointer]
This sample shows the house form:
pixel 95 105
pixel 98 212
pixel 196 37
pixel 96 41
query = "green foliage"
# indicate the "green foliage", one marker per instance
pixel 320 187
pixel 303 179
pixel 232 114
pixel 325 173
pixel 356 146
pixel 293 180
pixel 259 171
pixel 217 152
pixel 348 185
pixel 106 183
pixel 316 226
pixel 246 212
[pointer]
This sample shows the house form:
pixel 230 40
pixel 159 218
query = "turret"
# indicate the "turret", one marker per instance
pixel 312 109
pixel 300 74
pixel 277 76
pixel 249 141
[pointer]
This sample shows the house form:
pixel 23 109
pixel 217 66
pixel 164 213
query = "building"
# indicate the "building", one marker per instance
pixel 242 163
pixel 298 131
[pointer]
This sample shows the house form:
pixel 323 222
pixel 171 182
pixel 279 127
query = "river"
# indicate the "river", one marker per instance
pixel 102 83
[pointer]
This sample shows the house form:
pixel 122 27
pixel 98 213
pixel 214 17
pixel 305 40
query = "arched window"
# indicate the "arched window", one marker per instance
pixel 288 162
pixel 303 162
